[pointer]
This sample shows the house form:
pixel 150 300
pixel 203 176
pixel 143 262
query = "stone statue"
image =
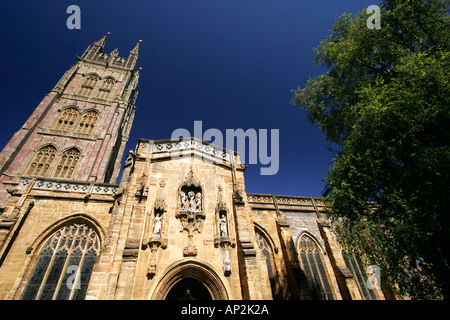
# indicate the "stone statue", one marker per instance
pixel 157 226
pixel 198 202
pixel 223 226
pixel 183 200
pixel 191 196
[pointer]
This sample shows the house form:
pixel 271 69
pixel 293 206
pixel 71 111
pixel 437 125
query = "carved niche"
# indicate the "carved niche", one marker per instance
pixel 155 230
pixel 190 210
pixel 223 232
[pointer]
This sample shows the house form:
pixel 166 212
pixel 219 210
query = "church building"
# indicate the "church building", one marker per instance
pixel 180 224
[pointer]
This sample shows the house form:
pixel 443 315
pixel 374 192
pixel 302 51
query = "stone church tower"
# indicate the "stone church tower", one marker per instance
pixel 79 130
pixel 180 225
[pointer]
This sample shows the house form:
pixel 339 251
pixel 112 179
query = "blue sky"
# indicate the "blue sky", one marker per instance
pixel 228 63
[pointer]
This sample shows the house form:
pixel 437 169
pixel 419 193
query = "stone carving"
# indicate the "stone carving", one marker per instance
pixel 55 184
pixel 190 201
pixel 190 222
pixel 194 144
pixel 198 201
pixel 238 197
pixel 223 226
pixel 222 238
pixel 226 266
pixel 157 226
pixel 190 210
pixel 183 198
pixel 191 196
pixel 281 199
pixel 156 238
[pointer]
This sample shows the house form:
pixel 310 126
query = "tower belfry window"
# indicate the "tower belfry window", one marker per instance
pixel 66 119
pixel 89 84
pixel 88 121
pixel 41 161
pixel 67 163
pixel 106 87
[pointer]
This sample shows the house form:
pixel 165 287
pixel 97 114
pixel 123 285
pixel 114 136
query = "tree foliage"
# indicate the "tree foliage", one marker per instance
pixel 383 102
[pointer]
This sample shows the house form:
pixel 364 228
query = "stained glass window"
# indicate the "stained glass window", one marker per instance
pixel 313 265
pixel 267 252
pixel 65 264
pixel 355 265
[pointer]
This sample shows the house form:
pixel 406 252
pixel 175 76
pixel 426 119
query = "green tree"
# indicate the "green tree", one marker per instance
pixel 383 104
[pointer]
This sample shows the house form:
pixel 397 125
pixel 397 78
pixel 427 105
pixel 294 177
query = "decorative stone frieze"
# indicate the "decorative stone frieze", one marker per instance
pixel 205 148
pixel 61 185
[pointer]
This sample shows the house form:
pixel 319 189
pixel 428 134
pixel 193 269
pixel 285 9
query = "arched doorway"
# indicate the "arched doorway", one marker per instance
pixel 188 289
pixel 203 282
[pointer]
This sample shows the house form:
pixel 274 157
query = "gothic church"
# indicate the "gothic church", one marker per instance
pixel 179 225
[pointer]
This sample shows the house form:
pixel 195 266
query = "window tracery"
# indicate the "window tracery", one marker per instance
pixel 66 119
pixel 355 265
pixel 65 264
pixel 267 252
pixel 88 121
pixel 106 87
pixel 67 163
pixel 41 161
pixel 89 84
pixel 313 265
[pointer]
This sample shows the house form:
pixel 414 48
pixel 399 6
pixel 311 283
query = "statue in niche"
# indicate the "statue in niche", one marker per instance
pixel 191 201
pixel 157 226
pixel 183 201
pixel 223 225
pixel 191 196
pixel 198 202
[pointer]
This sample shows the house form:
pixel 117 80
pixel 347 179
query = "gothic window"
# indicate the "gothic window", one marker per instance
pixel 355 265
pixel 66 119
pixel 89 84
pixel 41 161
pixel 106 87
pixel 88 121
pixel 65 264
pixel 313 265
pixel 267 252
pixel 67 163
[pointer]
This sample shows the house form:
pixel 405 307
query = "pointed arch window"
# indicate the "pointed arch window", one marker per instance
pixel 41 161
pixel 65 264
pixel 356 266
pixel 106 87
pixel 88 121
pixel 267 252
pixel 66 119
pixel 311 260
pixel 67 163
pixel 89 84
